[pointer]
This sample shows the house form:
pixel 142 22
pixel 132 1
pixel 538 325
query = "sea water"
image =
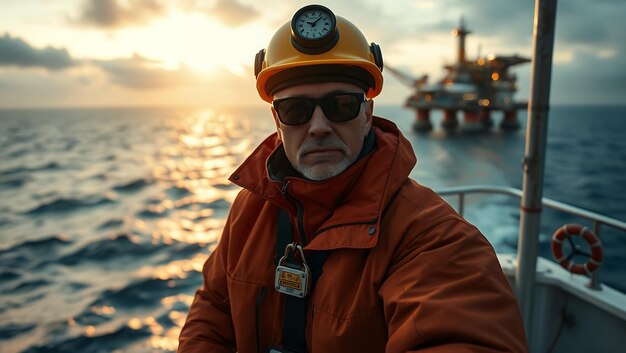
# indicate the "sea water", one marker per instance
pixel 107 215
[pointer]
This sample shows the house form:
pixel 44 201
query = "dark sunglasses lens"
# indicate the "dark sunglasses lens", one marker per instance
pixel 294 111
pixel 342 107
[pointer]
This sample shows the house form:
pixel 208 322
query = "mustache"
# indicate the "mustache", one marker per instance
pixel 318 144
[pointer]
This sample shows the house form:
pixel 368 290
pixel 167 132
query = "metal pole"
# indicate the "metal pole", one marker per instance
pixel 534 157
pixel 594 283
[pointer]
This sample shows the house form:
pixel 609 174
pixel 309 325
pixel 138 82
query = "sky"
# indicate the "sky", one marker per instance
pixel 120 53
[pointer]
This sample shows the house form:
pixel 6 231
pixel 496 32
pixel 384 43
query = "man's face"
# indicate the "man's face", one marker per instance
pixel 320 148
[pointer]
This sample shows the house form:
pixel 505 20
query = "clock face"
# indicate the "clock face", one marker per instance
pixel 314 29
pixel 314 23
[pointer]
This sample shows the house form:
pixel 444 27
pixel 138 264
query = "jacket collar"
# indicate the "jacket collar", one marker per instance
pixel 356 197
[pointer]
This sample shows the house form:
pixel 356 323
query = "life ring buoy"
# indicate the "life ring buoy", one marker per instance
pixel 595 258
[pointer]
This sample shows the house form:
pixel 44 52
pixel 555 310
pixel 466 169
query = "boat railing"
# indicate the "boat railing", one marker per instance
pixel 597 219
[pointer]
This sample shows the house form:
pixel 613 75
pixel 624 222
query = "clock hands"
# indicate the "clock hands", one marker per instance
pixel 315 22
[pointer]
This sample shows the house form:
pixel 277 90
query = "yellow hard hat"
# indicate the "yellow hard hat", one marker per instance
pixel 317 46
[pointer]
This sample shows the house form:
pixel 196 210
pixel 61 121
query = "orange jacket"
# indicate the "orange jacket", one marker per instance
pixel 406 273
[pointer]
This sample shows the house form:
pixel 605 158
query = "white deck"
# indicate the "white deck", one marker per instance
pixel 595 319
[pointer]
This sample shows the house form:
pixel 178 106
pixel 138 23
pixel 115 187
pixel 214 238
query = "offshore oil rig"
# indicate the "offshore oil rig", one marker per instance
pixel 475 87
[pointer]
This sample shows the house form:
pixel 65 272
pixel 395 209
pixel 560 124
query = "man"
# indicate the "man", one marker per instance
pixel 393 268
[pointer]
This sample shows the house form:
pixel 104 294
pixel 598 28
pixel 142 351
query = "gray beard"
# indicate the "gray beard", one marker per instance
pixel 326 173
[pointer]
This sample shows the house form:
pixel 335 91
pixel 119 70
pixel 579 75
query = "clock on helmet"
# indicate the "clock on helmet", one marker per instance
pixel 317 46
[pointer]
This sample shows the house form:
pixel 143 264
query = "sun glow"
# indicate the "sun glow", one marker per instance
pixel 199 42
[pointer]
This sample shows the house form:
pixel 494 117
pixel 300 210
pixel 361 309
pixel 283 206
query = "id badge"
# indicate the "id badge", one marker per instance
pixel 291 280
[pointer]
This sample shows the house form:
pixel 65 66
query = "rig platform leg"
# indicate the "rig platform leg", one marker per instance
pixel 422 121
pixel 472 121
pixel 485 118
pixel 509 122
pixel 449 121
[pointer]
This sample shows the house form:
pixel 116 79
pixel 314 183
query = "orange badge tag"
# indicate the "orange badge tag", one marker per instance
pixel 290 280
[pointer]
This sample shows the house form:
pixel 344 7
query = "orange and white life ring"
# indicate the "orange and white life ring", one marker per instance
pixel 595 258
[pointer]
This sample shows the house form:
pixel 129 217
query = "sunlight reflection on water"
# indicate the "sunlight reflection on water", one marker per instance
pixel 127 203
pixel 207 149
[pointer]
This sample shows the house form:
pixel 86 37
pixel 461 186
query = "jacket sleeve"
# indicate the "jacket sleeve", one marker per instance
pixel 446 291
pixel 209 327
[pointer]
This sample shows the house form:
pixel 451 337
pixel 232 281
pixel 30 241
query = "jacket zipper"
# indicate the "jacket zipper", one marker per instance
pixel 300 218
pixel 300 208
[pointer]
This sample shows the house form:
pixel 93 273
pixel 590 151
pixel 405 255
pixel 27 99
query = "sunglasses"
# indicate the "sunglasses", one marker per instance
pixel 339 108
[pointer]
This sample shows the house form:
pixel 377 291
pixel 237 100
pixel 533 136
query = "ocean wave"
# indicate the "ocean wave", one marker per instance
pixel 180 250
pixel 66 205
pixel 112 223
pixel 6 276
pixel 177 192
pixel 14 330
pixel 28 253
pixel 146 292
pixel 153 212
pixel 27 170
pixel 107 249
pixel 47 243
pixel 18 153
pixel 104 343
pixel 13 304
pixel 134 185
pixel 225 186
pixel 76 286
pixel 91 318
pixel 27 286
pixel 13 182
pixel 219 204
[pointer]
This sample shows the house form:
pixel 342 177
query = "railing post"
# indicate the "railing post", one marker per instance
pixel 461 203
pixel 534 159
pixel 594 282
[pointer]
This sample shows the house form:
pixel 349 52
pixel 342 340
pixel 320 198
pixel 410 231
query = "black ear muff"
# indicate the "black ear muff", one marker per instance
pixel 258 62
pixel 378 55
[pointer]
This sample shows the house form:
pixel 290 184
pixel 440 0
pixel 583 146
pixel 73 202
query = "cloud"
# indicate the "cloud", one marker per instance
pixel 234 14
pixel 141 73
pixel 577 21
pixel 114 14
pixel 136 73
pixel 229 12
pixel 92 86
pixel 601 26
pixel 16 52
pixel 590 79
pixel 504 21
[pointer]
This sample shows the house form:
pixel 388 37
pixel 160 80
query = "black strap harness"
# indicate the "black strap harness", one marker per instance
pixel 295 308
